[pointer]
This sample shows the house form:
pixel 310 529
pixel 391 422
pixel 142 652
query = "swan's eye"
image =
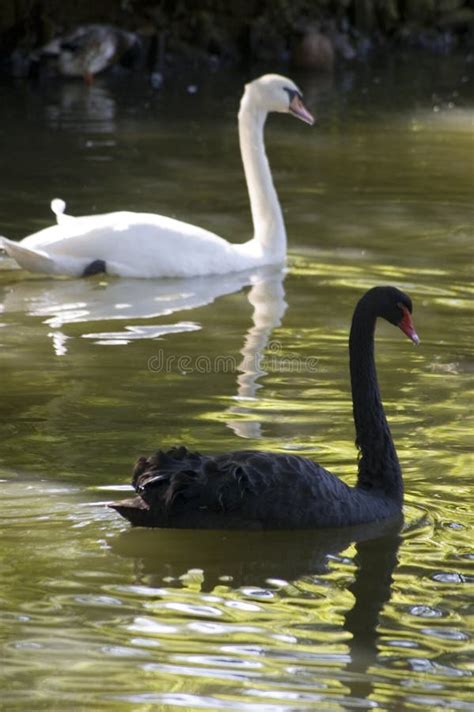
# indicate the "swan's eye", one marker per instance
pixel 403 307
pixel 292 93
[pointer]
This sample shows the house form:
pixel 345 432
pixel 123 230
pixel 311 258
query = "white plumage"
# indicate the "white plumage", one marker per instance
pixel 148 245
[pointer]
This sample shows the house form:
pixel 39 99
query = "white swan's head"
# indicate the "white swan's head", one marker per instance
pixel 272 92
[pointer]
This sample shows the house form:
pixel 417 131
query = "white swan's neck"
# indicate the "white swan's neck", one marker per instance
pixel 269 228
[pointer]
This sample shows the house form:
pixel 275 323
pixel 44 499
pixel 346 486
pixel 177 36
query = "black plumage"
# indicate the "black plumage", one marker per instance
pixel 256 490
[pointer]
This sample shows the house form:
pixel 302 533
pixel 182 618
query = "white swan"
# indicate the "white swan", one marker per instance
pixel 132 244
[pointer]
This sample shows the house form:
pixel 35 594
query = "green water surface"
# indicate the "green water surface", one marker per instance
pixel 97 616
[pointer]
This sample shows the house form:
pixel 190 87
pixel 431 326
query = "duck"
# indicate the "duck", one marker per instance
pixel 90 49
pixel 314 50
pixel 249 489
pixel 146 245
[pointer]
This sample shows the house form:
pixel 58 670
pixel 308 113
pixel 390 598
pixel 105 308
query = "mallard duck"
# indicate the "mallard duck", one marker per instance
pixel 90 49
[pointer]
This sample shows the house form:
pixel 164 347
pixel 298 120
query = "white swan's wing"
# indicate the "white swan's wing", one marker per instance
pixel 135 245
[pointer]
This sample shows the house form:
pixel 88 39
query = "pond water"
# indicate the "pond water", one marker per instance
pixel 97 616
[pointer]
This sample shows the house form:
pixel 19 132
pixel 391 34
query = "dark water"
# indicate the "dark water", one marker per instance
pixel 96 616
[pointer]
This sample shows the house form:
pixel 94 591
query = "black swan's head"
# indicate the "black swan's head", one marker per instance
pixel 394 306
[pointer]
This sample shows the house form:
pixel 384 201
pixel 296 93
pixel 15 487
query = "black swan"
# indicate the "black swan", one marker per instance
pixel 257 490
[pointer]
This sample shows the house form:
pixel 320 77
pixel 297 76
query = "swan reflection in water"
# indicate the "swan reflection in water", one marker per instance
pixel 77 107
pixel 167 557
pixel 61 303
pixel 267 297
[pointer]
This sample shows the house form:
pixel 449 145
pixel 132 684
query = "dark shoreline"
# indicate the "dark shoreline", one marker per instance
pixel 316 35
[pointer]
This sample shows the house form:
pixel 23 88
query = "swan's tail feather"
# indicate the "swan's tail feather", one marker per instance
pixel 174 478
pixel 28 259
pixel 58 207
pixel 137 512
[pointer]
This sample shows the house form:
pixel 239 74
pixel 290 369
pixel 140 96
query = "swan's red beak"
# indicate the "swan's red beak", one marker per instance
pixel 406 325
pixel 298 109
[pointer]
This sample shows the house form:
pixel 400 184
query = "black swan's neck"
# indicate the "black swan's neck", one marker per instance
pixel 379 468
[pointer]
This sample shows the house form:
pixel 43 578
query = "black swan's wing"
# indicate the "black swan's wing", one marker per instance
pixel 244 489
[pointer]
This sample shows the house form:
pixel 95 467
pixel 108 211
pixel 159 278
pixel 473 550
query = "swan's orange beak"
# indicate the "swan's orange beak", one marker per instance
pixel 406 325
pixel 298 109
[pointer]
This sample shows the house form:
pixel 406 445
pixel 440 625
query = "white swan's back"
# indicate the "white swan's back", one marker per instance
pixel 135 245
pixel 132 244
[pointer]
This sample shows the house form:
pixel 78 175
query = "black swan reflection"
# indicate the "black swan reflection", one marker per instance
pixel 257 560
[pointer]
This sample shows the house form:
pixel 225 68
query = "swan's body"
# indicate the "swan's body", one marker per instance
pixel 147 245
pixel 129 245
pixel 255 490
